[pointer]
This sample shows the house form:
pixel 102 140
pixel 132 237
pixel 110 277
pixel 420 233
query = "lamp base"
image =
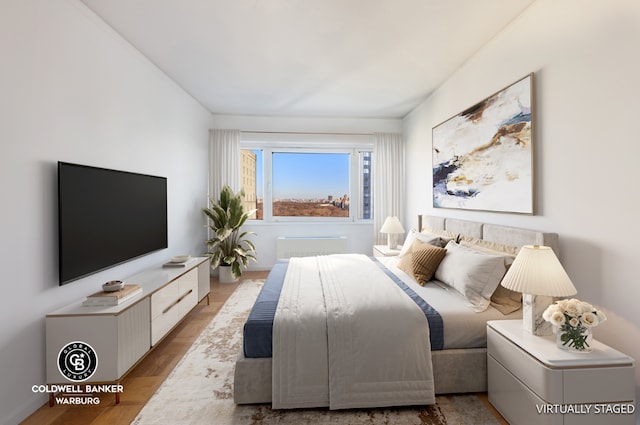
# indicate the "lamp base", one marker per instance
pixel 532 308
pixel 391 241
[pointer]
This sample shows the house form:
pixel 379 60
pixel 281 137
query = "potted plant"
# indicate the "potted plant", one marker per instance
pixel 228 248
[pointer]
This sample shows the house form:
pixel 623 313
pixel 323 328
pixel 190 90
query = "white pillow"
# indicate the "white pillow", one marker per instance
pixel 474 274
pixel 424 237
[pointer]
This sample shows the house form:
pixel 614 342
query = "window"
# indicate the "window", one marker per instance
pixel 300 184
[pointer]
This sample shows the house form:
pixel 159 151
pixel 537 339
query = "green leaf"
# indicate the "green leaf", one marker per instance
pixel 250 245
pixel 223 233
pixel 235 270
pixel 225 194
pixel 215 260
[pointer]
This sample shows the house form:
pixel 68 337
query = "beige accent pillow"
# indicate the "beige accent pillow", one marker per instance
pixel 483 245
pixel 421 258
pixel 445 235
pixel 505 300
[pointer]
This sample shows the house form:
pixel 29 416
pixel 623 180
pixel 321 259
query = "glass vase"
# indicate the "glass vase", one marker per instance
pixel 574 338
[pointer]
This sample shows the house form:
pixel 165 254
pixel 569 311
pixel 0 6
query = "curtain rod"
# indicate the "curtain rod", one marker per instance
pixel 305 132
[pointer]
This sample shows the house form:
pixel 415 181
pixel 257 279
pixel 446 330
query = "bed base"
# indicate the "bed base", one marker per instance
pixel 454 371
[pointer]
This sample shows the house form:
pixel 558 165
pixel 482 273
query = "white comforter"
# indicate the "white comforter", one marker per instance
pixel 346 336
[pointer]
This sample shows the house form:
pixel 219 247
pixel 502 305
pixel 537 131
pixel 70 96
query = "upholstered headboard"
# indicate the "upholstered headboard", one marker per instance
pixel 506 235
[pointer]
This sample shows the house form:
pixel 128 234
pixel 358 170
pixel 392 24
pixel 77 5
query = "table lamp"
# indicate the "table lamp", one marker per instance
pixel 391 227
pixel 538 275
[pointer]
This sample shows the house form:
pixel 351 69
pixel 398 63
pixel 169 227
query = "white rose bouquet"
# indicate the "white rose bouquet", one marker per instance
pixel 573 318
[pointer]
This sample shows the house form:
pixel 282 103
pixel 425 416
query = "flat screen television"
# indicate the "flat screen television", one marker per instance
pixel 107 217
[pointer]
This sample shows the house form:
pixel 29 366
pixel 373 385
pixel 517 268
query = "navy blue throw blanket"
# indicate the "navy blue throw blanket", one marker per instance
pixel 258 330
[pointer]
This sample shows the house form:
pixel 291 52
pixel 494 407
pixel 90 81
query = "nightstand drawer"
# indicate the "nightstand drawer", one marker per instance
pixel 515 402
pixel 599 385
pixel 545 382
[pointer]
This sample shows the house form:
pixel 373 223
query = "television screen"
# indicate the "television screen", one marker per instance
pixel 106 217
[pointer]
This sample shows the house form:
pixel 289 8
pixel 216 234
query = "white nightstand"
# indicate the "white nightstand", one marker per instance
pixel 532 381
pixel 384 251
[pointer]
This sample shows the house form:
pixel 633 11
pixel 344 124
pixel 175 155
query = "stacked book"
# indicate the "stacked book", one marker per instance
pixel 112 298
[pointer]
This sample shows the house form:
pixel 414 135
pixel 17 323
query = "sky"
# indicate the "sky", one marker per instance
pixel 306 175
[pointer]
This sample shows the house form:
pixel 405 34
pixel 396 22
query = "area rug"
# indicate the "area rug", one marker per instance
pixel 200 388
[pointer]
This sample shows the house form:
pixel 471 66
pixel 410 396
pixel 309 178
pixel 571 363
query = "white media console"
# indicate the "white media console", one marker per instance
pixel 122 335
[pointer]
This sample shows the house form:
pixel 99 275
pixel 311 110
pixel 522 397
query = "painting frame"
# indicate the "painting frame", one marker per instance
pixel 483 157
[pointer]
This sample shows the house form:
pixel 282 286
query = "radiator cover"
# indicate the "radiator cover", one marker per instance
pixel 306 246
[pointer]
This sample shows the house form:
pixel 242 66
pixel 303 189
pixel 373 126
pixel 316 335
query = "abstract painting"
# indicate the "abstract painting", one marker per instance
pixel 483 157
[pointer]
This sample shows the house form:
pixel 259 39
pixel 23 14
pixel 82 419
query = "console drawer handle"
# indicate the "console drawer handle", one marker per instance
pixel 177 301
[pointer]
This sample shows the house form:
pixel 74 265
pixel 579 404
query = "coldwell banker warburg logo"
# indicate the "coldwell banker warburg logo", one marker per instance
pixel 77 361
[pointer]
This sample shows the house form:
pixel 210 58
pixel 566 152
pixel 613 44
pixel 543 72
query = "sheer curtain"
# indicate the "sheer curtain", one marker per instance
pixel 388 181
pixel 224 160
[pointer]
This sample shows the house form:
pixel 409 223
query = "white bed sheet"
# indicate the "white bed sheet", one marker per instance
pixel 463 327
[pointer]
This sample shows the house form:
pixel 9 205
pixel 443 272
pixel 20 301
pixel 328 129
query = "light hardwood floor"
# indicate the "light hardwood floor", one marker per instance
pixel 142 382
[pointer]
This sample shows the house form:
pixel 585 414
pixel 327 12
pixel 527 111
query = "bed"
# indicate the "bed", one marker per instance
pixel 456 350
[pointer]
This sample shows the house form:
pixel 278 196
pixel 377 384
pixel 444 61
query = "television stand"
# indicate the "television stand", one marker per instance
pixel 121 336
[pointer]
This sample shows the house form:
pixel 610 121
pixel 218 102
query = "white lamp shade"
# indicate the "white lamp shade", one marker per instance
pixel 536 270
pixel 392 225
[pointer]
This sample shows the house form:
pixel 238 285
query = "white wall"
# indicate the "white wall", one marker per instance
pixel 360 235
pixel 73 90
pixel 586 63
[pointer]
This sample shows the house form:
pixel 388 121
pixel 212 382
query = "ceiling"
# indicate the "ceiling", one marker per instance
pixel 332 58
